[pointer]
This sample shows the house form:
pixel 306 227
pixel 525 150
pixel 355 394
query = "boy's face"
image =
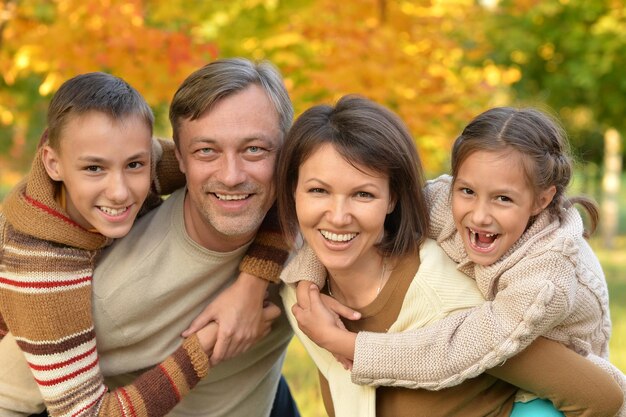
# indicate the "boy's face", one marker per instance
pixel 105 167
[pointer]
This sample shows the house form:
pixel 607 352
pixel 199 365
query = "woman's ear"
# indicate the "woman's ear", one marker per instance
pixel 51 163
pixel 392 204
pixel 544 199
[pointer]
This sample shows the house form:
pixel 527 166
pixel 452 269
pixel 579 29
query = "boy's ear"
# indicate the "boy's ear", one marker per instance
pixel 51 163
pixel 544 199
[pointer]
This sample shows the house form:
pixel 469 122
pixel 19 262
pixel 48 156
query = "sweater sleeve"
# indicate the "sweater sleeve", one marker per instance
pixel 437 194
pixel 465 344
pixel 570 381
pixel 167 177
pixel 269 250
pixel 45 299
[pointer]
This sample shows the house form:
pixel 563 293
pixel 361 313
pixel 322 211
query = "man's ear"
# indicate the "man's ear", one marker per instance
pixel 181 164
pixel 51 163
pixel 544 199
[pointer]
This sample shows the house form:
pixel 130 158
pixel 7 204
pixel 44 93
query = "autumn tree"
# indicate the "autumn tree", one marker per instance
pixel 571 54
pixel 42 43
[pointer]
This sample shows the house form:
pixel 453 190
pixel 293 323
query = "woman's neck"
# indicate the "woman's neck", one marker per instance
pixel 359 285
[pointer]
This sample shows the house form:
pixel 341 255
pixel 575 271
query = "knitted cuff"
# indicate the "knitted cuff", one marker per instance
pixel 198 357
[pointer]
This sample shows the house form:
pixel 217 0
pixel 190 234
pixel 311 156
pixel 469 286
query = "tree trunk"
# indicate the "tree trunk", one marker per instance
pixel 611 186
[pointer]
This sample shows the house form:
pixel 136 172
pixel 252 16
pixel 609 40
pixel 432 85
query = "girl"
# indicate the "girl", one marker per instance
pixel 352 183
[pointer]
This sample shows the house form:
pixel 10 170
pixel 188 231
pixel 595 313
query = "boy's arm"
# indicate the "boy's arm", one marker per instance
pixel 574 384
pixel 239 309
pixel 166 177
pixel 50 301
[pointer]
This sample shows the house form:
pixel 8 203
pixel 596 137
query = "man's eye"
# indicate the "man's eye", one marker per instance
pixel 255 150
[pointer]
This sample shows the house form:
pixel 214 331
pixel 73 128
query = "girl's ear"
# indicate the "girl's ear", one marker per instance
pixel 544 199
pixel 51 163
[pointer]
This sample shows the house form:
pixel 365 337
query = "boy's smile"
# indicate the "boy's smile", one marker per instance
pixel 105 169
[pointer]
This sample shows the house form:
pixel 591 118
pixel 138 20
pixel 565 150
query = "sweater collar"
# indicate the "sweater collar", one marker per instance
pixel 32 208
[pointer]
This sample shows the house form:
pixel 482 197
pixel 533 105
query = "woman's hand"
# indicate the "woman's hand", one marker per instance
pixel 322 325
pixel 241 316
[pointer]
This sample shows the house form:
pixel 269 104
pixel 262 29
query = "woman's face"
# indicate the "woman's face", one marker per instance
pixel 341 209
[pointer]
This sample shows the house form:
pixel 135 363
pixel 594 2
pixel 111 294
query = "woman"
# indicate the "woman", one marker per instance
pixel 353 190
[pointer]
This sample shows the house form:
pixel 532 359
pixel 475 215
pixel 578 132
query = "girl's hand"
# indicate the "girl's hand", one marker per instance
pixel 323 326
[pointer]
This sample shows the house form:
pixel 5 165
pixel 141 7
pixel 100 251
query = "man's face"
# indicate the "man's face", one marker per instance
pixel 228 157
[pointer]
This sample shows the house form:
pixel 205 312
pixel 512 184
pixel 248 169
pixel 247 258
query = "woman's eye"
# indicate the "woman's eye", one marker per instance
pixel 317 190
pixel 135 165
pixel 364 194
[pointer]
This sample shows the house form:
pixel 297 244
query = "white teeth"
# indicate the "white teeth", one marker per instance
pixel 228 197
pixel 113 212
pixel 486 234
pixel 345 237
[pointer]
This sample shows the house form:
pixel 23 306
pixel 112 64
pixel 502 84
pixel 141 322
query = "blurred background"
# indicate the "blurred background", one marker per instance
pixel 436 63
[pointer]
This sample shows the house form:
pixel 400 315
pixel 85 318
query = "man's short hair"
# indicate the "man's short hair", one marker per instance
pixel 219 79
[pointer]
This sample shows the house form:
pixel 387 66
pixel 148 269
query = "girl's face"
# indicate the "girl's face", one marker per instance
pixel 341 210
pixel 105 167
pixel 492 203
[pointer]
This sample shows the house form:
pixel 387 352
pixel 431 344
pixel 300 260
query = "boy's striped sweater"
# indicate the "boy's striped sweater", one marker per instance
pixel 46 267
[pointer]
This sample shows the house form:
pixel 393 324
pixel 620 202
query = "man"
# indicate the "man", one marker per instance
pixel 228 119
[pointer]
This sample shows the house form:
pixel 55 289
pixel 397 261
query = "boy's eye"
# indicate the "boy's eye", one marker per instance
pixel 93 168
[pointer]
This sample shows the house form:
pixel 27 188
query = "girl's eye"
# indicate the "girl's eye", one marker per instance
pixel 465 190
pixel 503 199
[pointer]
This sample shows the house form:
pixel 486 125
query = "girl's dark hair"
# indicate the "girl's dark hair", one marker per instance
pixel 541 141
pixel 367 135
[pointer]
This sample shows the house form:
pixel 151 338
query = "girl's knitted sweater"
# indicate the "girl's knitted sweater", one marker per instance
pixel 46 267
pixel 549 283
